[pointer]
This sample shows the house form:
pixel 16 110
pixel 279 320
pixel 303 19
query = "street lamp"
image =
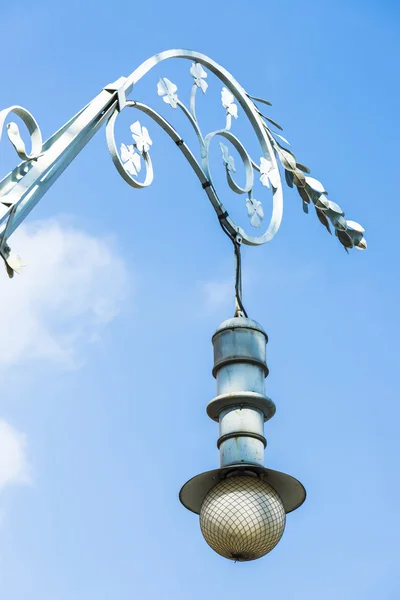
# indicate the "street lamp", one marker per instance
pixel 242 505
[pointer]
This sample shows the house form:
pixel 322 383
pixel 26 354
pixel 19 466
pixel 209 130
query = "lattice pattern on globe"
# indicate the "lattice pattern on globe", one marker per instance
pixel 242 518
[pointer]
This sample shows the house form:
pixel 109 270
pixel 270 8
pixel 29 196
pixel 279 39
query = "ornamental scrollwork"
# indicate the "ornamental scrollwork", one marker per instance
pixel 42 163
pixel 277 154
pixel 14 262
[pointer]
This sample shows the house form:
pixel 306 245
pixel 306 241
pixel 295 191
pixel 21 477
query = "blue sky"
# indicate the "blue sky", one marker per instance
pixel 105 351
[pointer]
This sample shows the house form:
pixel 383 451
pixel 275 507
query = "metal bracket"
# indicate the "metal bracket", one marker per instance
pixel 119 86
pixel 240 311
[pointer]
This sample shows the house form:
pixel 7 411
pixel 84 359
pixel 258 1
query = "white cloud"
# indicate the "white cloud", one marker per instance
pixel 14 467
pixel 74 284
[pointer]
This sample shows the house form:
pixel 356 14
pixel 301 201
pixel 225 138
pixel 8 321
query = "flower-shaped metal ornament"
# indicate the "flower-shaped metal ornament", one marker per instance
pixel 141 137
pixel 228 102
pixel 130 159
pixel 167 90
pixel 227 159
pixel 268 173
pixel 199 75
pixel 255 211
pixel 14 264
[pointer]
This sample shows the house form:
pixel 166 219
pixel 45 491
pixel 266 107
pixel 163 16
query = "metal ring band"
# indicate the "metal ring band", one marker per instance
pixel 239 359
pixel 228 436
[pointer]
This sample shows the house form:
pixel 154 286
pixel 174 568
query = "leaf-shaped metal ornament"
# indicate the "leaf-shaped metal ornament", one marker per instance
pixel 361 244
pixel 298 178
pixel 335 208
pixel 344 238
pixel 303 168
pixel 289 178
pixel 316 185
pixel 9 270
pixel 356 232
pixel 355 226
pixel 274 123
pixel 167 90
pixel 280 137
pixel 338 222
pixel 322 217
pixel 321 202
pixel 304 196
pixel 287 159
pixel 259 100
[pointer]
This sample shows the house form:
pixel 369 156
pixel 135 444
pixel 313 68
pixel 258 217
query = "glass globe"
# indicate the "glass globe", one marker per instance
pixel 242 518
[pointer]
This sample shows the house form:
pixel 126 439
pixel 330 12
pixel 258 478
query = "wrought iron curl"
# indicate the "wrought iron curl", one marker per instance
pixel 23 187
pixel 274 147
pixel 14 135
pixel 13 262
pixel 231 91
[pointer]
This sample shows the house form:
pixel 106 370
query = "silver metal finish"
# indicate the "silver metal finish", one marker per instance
pixel 241 432
pixel 41 166
pixel 240 408
pixel 239 367
pixel 252 399
pixel 196 489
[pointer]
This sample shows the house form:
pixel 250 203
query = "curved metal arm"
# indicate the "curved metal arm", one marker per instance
pixel 22 189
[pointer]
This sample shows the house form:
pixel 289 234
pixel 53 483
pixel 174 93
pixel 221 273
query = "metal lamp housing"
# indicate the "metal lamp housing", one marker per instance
pixel 242 505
